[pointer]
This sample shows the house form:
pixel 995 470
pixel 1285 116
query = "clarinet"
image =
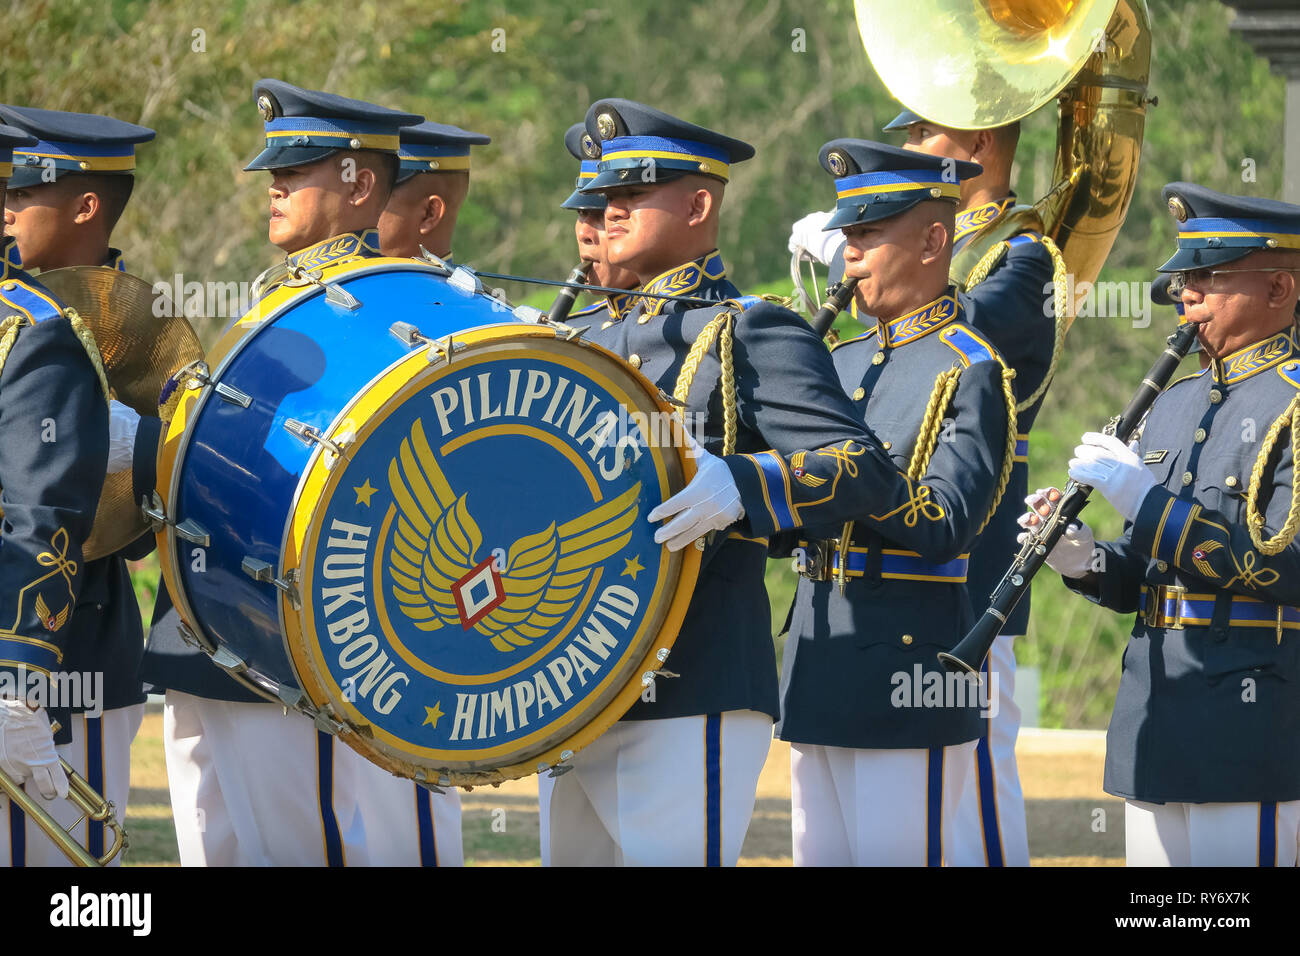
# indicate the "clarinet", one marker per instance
pixel 838 297
pixel 969 654
pixel 563 303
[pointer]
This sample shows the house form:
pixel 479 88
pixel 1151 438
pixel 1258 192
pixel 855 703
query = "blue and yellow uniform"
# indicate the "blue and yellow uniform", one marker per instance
pixel 105 646
pixel 880 595
pixel 248 785
pixel 1206 711
pixel 54 431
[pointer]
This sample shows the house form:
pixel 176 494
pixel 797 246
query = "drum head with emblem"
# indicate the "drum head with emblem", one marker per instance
pixel 479 593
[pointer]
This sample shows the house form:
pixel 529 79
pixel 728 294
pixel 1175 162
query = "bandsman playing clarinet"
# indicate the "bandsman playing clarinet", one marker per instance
pixel 1203 743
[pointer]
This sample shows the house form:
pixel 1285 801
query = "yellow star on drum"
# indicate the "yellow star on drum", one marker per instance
pixel 633 565
pixel 364 492
pixel 432 714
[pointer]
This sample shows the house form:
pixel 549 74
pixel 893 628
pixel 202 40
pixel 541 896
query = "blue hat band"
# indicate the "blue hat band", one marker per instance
pixel 78 157
pixel 288 131
pixel 588 170
pixel 1212 233
pixel 628 152
pixel 896 184
pixel 433 159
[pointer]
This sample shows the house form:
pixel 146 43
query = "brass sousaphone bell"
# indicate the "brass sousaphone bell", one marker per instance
pixel 979 64
pixel 140 351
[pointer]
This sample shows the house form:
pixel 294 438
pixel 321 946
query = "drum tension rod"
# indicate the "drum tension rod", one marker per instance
pixel 198 374
pixel 409 335
pixel 188 530
pixel 334 293
pixel 311 435
pixel 260 570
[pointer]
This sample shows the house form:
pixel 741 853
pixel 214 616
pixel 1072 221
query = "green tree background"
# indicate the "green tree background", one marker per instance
pixel 783 75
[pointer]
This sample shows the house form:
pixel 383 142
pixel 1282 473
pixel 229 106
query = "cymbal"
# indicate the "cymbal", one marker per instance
pixel 140 351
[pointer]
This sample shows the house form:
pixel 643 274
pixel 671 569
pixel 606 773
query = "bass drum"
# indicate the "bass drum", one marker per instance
pixel 423 526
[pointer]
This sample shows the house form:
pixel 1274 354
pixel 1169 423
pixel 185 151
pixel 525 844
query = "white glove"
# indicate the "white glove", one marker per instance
pixel 809 234
pixel 122 425
pixel 27 749
pixel 1071 557
pixel 709 503
pixel 1114 469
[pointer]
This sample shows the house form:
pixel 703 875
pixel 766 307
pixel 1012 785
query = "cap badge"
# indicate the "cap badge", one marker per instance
pixel 606 126
pixel 589 147
pixel 837 164
pixel 266 107
pixel 1178 208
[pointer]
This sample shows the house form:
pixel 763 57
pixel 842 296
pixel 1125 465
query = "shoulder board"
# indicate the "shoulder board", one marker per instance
pixel 1291 372
pixel 28 299
pixel 587 310
pixel 857 338
pixel 744 302
pixel 1024 239
pixel 1188 377
pixel 967 343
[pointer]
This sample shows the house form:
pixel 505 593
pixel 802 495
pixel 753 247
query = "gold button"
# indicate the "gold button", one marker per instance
pixel 9 286
pixel 1216 396
pixel 605 325
pixel 642 319
pixel 877 358
pixel 634 360
pixel 886 445
pixel 1200 434
pixel 907 638
pixel 1187 475
pixel 859 394
pixel 1162 567
pixel 1230 481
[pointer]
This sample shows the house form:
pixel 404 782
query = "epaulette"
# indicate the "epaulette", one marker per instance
pixel 1024 239
pixel 963 340
pixel 1184 378
pixel 857 338
pixel 1291 372
pixel 594 307
pixel 28 300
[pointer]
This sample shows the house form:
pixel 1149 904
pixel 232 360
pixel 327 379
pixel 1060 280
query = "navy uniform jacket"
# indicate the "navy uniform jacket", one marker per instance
pixel 53 456
pixel 604 312
pixel 169 662
pixel 1010 312
pixel 905 598
pixel 790 408
pixel 1209 712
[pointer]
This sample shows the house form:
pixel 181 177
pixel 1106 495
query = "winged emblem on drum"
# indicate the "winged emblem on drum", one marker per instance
pixel 439 579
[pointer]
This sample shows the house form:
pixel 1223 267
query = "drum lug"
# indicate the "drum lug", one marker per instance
pixel 464 280
pixel 423 778
pixel 335 294
pixel 188 530
pixel 198 375
pixel 192 531
pixel 233 395
pixel 260 570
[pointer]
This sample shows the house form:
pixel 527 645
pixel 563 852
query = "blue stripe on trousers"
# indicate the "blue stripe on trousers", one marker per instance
pixel 934 808
pixel 325 790
pixel 95 777
pixel 17 836
pixel 988 791
pixel 713 789
pixel 1268 834
pixel 424 817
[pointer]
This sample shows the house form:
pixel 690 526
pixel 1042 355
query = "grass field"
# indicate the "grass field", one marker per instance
pixel 1060 771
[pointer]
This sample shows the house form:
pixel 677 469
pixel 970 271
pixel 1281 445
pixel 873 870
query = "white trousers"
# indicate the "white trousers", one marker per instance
pixel 101 752
pixel 1211 834
pixel 996 808
pixel 253 786
pixel 881 807
pixel 675 792
pixel 405 824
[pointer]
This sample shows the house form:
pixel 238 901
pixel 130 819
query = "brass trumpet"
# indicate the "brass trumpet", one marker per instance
pixel 94 809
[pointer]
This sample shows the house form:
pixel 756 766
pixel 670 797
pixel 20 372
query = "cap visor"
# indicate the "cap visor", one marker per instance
pixel 902 121
pixel 1184 260
pixel 580 200
pixel 620 178
pixel 868 212
pixel 282 157
pixel 25 177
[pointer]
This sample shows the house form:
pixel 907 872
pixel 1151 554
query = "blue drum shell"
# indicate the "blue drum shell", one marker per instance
pixel 238 473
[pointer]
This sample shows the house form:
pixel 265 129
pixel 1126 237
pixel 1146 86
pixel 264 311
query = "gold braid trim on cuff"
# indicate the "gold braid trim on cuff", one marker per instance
pixel 721 327
pixel 1254 520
